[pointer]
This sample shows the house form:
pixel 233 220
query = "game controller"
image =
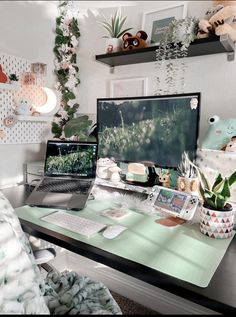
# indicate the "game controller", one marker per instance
pixel 174 202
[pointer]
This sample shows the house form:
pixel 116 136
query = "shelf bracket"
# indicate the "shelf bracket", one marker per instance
pixel 229 46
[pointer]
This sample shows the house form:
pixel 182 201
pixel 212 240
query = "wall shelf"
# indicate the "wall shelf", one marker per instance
pixel 34 118
pixel 9 86
pixel 211 45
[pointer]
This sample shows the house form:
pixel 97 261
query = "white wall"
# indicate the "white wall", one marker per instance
pixel 26 30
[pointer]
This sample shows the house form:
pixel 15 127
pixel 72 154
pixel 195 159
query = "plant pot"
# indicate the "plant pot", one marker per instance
pixel 188 185
pixel 217 224
pixel 113 45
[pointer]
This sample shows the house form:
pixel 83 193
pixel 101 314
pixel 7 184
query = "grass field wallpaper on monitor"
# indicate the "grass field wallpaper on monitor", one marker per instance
pixel 156 128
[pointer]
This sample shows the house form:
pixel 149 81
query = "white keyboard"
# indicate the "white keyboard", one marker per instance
pixel 77 224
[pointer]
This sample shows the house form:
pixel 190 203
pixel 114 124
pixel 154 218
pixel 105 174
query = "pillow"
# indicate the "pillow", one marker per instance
pixel 22 287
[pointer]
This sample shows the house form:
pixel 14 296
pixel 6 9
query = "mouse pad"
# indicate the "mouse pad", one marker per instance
pixel 182 252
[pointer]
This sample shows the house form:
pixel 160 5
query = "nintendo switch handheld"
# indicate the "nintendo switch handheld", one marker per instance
pixel 174 202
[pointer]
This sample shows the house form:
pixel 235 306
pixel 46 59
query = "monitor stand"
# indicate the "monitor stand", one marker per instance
pixel 122 185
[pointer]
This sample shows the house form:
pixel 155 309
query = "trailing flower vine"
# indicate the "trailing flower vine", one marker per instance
pixel 66 69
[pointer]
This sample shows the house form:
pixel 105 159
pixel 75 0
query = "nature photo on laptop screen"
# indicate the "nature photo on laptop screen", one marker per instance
pixel 71 158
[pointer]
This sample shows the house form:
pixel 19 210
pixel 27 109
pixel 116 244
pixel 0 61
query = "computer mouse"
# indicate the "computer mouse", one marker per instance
pixel 113 231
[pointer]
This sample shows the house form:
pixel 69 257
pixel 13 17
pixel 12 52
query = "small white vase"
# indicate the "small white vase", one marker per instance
pixel 113 45
pixel 217 224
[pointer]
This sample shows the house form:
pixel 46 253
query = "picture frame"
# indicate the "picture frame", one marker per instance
pixel 128 87
pixel 155 23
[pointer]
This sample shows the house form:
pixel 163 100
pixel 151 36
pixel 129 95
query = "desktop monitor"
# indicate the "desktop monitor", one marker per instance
pixel 155 128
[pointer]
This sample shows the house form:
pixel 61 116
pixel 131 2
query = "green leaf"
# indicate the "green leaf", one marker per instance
pixel 226 190
pixel 218 184
pixel 59 31
pixel 77 126
pixel 59 39
pixel 232 179
pixel 122 32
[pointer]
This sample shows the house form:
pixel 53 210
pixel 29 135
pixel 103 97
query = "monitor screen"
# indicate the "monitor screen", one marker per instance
pixel 70 158
pixel 156 128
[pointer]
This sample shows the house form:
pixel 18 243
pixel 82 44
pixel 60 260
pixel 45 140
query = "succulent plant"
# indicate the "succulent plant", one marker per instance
pixel 216 196
pixel 114 27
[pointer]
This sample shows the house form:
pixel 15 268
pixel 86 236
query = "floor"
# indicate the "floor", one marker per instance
pixel 129 307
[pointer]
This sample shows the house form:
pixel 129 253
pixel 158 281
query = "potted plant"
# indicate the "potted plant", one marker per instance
pixel 115 31
pixel 217 214
pixel 187 180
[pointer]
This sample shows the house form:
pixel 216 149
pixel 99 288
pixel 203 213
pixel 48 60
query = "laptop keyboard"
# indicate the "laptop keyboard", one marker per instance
pixel 83 226
pixel 64 186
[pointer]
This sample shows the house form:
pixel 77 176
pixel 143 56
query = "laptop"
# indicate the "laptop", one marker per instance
pixel 69 174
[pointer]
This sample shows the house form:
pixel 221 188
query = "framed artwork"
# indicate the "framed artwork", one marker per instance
pixel 155 23
pixel 128 87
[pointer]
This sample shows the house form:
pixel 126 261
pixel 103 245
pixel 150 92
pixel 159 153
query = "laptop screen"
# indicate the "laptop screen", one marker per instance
pixel 71 158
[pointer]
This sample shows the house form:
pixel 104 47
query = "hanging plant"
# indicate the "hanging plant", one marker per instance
pixel 66 69
pixel 171 53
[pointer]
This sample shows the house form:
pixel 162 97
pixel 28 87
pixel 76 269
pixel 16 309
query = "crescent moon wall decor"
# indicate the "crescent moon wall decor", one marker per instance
pixel 51 101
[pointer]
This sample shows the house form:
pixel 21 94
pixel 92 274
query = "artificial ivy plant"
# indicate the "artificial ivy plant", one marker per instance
pixel 66 69
pixel 171 53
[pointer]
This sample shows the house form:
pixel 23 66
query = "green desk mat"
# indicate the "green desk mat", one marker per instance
pixel 182 252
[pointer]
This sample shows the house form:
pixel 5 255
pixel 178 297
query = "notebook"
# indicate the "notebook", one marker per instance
pixel 69 174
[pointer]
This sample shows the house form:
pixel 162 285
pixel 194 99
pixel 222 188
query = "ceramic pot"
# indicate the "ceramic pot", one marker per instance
pixel 217 224
pixel 188 185
pixel 113 45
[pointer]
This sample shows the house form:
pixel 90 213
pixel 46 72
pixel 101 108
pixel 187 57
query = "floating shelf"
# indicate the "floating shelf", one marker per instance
pixel 9 86
pixel 211 45
pixel 33 118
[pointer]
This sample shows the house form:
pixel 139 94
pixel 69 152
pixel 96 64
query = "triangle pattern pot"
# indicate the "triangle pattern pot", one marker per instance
pixel 217 224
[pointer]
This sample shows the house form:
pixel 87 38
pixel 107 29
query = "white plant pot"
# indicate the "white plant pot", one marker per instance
pixel 217 224
pixel 113 45
pixel 188 185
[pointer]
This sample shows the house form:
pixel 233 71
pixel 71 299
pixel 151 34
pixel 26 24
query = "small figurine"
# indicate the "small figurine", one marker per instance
pixel 115 173
pixel 103 167
pixel 164 178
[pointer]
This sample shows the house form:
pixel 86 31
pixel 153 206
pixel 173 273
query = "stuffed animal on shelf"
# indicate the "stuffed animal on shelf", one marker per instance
pixel 23 107
pixel 219 133
pixel 3 76
pixel 131 42
pixel 231 146
pixel 219 20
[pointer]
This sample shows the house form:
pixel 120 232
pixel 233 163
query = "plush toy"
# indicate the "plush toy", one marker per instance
pixel 231 146
pixel 134 41
pixel 3 76
pixel 24 107
pixel 219 133
pixel 219 20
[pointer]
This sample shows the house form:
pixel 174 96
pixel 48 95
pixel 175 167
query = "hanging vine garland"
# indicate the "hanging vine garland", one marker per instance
pixel 66 69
